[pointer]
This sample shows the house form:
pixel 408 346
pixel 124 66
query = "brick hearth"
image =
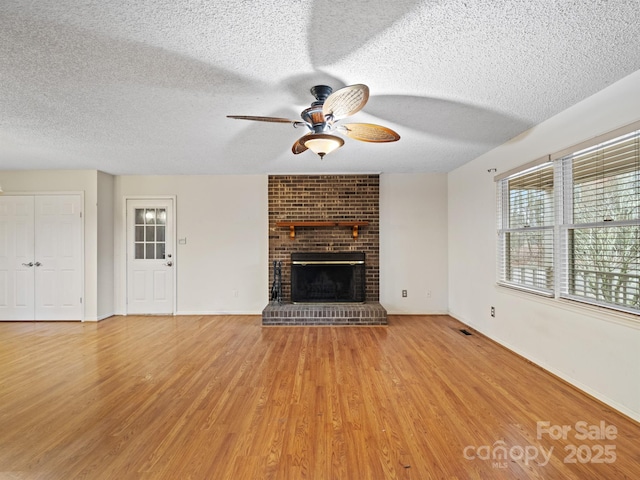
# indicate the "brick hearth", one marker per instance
pixel 370 313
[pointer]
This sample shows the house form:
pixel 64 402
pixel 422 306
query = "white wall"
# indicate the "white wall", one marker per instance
pixel 593 348
pixel 225 222
pixel 224 265
pixel 57 181
pixel 413 243
pixel 105 239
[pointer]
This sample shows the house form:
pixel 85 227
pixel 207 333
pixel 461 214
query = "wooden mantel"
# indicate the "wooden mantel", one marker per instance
pixel 331 223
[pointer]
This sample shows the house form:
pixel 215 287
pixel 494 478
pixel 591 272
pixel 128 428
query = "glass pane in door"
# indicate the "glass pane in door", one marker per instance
pixel 150 233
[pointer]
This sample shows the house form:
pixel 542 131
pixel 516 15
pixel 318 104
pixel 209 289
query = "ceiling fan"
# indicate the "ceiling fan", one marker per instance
pixel 322 116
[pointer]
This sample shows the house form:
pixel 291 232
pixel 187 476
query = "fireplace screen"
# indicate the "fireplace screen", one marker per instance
pixel 328 277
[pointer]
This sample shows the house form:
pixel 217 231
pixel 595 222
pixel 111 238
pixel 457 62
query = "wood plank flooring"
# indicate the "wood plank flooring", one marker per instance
pixel 220 397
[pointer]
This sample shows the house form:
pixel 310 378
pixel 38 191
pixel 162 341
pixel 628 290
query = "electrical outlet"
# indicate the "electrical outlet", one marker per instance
pixel 428 293
pixel 493 311
pixel 404 293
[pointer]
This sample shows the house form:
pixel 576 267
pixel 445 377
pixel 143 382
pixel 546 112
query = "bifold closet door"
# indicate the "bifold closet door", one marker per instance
pixel 41 257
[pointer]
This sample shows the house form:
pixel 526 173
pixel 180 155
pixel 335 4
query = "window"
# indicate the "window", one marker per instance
pixel 601 224
pixel 571 228
pixel 525 235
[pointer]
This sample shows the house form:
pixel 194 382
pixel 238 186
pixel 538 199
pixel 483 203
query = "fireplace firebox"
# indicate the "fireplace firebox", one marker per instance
pixel 327 277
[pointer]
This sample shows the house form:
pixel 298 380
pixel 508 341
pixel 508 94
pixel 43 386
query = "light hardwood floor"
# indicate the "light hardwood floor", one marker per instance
pixel 220 397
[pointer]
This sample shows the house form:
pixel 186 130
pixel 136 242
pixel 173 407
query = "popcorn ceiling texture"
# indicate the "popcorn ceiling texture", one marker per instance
pixel 144 87
pixel 324 198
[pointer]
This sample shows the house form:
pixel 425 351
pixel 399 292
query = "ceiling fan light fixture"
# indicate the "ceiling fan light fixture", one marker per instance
pixel 322 143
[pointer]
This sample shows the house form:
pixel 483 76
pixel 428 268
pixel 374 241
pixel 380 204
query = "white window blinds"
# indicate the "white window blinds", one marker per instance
pixel 600 231
pixel 526 230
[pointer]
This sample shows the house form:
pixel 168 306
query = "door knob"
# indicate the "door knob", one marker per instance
pixel 30 264
pixel 37 264
pixel 169 263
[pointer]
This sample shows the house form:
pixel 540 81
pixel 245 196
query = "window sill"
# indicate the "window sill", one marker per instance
pixel 520 288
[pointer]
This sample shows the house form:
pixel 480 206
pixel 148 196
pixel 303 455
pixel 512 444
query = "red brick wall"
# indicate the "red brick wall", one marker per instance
pixel 325 198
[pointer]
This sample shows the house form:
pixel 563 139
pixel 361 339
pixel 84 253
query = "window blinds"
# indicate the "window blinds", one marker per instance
pixel 526 230
pixel 600 231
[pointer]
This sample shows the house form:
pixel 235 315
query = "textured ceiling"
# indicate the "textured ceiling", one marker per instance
pixel 144 87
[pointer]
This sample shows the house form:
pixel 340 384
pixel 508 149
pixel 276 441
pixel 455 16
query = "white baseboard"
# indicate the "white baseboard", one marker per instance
pixel 219 312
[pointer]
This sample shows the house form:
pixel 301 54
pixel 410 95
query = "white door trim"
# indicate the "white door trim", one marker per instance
pixel 123 243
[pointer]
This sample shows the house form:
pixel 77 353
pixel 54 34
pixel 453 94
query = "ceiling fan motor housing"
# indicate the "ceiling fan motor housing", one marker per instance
pixel 313 116
pixel 315 119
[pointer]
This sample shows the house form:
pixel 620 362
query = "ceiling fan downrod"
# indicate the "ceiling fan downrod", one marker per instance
pixel 321 92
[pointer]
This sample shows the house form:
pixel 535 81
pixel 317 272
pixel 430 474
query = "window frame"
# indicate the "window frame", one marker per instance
pixel 564 229
pixel 541 270
pixel 601 282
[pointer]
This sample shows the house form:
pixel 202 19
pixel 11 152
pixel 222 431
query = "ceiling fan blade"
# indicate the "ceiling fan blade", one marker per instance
pixel 264 119
pixel 299 147
pixel 369 132
pixel 346 101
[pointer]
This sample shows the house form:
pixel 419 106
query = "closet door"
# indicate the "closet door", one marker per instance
pixel 41 257
pixel 58 257
pixel 17 270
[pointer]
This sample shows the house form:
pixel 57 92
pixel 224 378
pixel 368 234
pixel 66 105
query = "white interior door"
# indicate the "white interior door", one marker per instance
pixel 150 256
pixel 17 271
pixel 58 257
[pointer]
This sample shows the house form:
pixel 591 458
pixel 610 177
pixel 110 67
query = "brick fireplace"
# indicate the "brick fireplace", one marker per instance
pixel 331 214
